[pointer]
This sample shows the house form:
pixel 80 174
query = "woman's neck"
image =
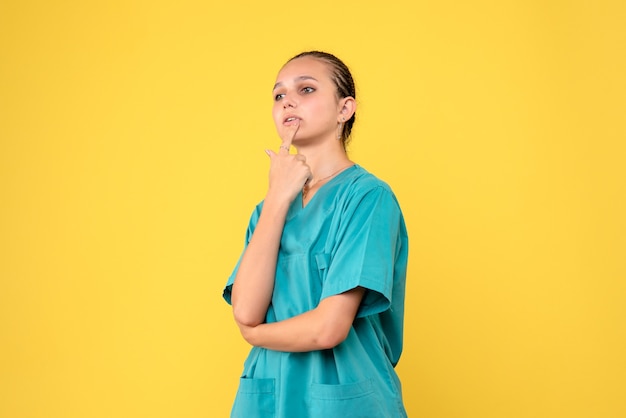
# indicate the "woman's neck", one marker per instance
pixel 325 164
pixel 325 160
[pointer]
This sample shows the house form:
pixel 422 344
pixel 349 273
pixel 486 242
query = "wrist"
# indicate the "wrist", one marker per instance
pixel 276 202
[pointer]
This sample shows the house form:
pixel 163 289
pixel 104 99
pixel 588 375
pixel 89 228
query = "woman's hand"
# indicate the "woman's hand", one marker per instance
pixel 288 172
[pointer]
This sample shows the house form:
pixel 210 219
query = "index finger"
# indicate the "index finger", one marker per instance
pixel 291 134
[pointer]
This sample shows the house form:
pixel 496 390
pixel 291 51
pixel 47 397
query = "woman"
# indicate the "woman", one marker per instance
pixel 319 288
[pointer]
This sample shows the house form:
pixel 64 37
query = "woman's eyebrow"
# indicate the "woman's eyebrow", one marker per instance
pixel 300 78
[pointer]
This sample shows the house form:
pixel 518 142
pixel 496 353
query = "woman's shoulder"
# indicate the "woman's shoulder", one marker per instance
pixel 362 181
pixel 359 185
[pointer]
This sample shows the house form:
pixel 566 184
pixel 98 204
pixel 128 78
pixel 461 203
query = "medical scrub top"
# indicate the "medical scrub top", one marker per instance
pixel 351 233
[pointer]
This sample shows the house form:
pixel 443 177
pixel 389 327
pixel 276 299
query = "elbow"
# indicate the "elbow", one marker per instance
pixel 247 325
pixel 246 317
pixel 246 320
pixel 246 313
pixel 332 336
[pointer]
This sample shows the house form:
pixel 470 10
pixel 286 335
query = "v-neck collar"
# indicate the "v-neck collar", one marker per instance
pixel 297 205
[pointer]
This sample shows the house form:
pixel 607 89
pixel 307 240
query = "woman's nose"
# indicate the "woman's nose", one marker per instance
pixel 287 102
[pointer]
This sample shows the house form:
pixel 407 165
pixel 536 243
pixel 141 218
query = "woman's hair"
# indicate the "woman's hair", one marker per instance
pixel 341 76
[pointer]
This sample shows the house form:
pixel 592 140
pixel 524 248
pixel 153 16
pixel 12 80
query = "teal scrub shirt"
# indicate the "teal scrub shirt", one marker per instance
pixel 351 233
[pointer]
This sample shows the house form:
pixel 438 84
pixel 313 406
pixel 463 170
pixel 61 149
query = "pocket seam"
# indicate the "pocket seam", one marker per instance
pixel 257 386
pixel 359 389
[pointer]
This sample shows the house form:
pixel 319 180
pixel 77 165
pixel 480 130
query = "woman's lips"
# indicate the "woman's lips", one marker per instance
pixel 291 120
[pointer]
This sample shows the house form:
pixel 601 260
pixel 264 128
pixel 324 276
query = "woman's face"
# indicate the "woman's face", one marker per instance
pixel 305 94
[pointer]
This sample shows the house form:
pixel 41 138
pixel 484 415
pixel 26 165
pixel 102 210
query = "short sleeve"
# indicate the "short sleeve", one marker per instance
pixel 228 288
pixel 366 250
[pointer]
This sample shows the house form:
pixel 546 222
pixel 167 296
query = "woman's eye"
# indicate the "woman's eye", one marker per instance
pixel 278 97
pixel 308 90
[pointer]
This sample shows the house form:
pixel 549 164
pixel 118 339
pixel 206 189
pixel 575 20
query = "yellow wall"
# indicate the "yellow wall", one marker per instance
pixel 131 155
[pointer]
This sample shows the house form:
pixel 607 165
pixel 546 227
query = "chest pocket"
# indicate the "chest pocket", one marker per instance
pixel 323 262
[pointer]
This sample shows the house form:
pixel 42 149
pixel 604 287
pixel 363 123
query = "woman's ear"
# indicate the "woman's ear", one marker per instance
pixel 347 107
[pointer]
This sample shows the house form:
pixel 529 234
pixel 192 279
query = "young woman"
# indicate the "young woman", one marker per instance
pixel 319 289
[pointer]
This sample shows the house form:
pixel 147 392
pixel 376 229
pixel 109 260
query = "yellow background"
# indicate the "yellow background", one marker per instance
pixel 131 155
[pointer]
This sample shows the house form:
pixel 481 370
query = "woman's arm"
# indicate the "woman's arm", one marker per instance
pixel 321 328
pixel 254 282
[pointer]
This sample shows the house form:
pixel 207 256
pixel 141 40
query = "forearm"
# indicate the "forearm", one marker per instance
pixel 321 328
pixel 296 334
pixel 254 283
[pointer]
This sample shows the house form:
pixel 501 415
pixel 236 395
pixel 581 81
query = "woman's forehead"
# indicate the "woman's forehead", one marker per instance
pixel 304 67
